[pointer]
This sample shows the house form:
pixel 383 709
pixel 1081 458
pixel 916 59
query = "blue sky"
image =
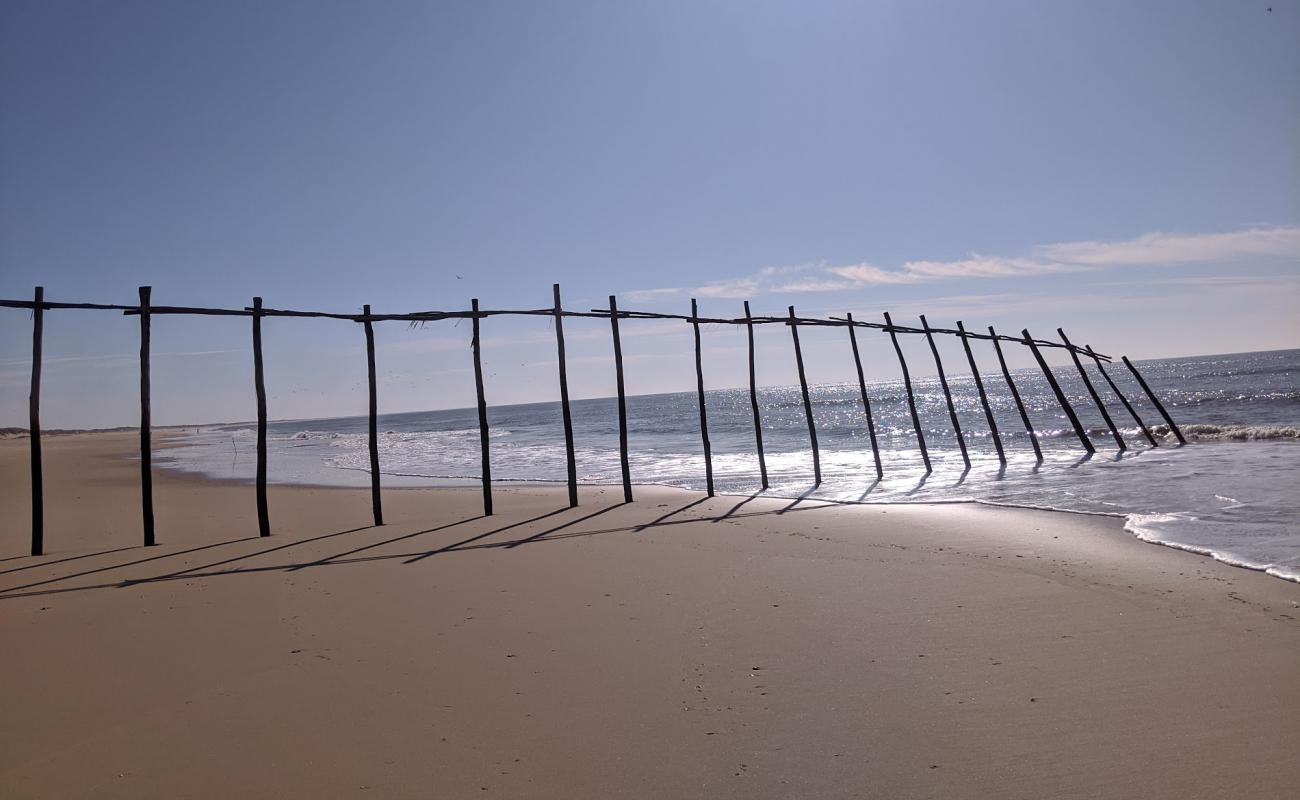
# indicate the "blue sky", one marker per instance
pixel 1128 170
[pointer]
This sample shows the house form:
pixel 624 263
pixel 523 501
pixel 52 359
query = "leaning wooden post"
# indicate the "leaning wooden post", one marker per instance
pixel 1154 400
pixel 1060 395
pixel 1096 398
pixel 984 398
pixel 866 403
pixel 1015 393
pixel 807 402
pixel 699 386
pixel 482 410
pixel 375 505
pixel 146 446
pixel 753 400
pixel 259 385
pixel 1127 405
pixel 622 402
pixel 570 460
pixel 943 382
pixel 34 425
pixel 911 398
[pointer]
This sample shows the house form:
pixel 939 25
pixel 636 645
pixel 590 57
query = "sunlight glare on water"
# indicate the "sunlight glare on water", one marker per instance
pixel 1232 494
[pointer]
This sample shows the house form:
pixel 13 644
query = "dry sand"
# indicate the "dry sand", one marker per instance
pixel 676 647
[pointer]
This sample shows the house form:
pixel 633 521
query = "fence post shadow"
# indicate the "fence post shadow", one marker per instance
pixel 871 487
pixel 484 535
pixel 672 513
pixel 804 495
pixel 729 512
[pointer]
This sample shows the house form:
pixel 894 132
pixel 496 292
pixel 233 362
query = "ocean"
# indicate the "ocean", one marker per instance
pixel 1233 493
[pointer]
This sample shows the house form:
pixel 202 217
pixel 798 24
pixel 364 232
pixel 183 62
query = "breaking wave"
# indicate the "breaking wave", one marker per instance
pixel 1235 433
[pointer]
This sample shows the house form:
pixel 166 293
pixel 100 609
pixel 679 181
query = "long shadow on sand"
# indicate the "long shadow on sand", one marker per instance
pixel 127 564
pixel 674 512
pixel 724 515
pixel 465 545
pixel 181 573
pixel 363 548
pixel 562 526
pixel 804 495
pixel 63 560
pixel 215 564
pixel 475 538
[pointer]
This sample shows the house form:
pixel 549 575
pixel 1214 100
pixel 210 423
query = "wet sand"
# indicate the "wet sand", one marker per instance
pixel 678 646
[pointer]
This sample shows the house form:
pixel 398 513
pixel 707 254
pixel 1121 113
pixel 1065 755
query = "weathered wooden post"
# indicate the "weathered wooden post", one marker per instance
pixel 1092 391
pixel 34 425
pixel 622 402
pixel 484 453
pixel 1154 400
pixel 1127 405
pixel 259 386
pixel 911 398
pixel 866 403
pixel 1060 395
pixel 146 447
pixel 571 461
pixel 807 401
pixel 699 387
pixel 375 505
pixel 984 398
pixel 1015 393
pixel 753 399
pixel 947 395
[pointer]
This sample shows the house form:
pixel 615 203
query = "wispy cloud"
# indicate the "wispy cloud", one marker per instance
pixel 1289 281
pixel 776 280
pixel 740 287
pixel 1152 249
pixel 866 274
pixel 1165 248
pixel 814 285
pixel 977 266
pixel 638 295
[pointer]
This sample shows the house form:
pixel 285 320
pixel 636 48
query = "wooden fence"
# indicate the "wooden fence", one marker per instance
pixel 145 310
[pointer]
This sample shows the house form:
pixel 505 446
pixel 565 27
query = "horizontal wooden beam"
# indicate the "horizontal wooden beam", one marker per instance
pixel 46 305
pixel 595 313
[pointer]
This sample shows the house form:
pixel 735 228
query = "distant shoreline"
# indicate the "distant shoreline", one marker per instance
pixel 20 430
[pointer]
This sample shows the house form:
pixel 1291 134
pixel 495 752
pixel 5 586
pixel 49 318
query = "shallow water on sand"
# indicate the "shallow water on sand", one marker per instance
pixel 1234 493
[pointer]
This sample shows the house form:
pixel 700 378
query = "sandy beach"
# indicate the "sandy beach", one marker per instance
pixel 678 646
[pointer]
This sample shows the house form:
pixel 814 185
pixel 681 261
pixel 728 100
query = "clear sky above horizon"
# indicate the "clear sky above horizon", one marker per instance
pixel 1127 170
